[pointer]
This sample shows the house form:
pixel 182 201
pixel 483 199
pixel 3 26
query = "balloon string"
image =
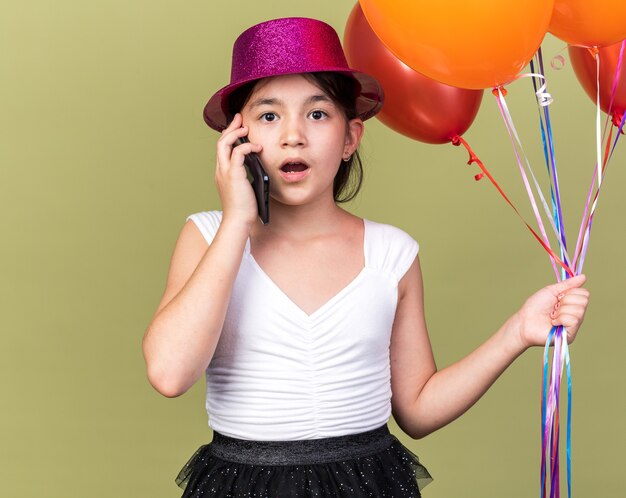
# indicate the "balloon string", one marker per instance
pixel 457 140
pixel 548 150
pixel 513 133
pixel 618 71
pixel 598 137
pixel 556 429
pixel 584 244
pixel 587 217
pixel 518 150
pixel 568 436
pixel 587 220
pixel 544 411
pixel 550 418
pixel 557 194
pixel 508 120
pixel 553 163
pixel 583 234
pixel 551 389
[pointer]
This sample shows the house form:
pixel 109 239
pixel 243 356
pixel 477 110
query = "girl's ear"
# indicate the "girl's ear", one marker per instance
pixel 354 133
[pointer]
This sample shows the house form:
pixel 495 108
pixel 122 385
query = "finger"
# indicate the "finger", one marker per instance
pixel 235 169
pixel 568 315
pixel 572 308
pixel 575 299
pixel 244 149
pixel 567 284
pixel 578 290
pixel 571 333
pixel 570 322
pixel 226 142
pixel 229 137
pixel 235 123
pixel 233 131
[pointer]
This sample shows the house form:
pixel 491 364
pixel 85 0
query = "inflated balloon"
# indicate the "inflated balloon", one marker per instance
pixel 584 65
pixel 591 23
pixel 469 44
pixel 415 105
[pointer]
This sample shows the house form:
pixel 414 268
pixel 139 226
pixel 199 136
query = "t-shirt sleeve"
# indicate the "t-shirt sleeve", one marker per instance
pixel 207 222
pixel 393 251
pixel 405 253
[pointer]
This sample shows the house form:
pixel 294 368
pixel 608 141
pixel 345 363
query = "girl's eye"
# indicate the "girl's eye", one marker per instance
pixel 317 114
pixel 268 116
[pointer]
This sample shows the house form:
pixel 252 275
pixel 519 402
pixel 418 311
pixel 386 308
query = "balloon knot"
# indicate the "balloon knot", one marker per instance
pixel 499 90
pixel 617 120
pixel 456 140
pixel 593 51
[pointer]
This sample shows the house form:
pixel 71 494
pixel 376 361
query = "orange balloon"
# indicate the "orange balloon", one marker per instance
pixel 469 44
pixel 591 23
pixel 584 64
pixel 416 106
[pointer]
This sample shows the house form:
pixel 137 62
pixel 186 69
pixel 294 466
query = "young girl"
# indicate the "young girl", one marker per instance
pixel 311 329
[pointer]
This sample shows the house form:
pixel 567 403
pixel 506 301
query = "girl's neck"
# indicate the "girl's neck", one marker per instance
pixel 302 222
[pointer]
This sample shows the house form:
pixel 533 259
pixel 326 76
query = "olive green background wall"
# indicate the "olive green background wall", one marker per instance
pixel 103 153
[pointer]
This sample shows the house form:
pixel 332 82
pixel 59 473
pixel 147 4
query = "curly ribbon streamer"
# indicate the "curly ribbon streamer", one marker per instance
pixel 457 140
pixel 557 63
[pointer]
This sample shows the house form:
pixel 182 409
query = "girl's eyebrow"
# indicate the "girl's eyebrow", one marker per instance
pixel 318 98
pixel 277 102
pixel 260 102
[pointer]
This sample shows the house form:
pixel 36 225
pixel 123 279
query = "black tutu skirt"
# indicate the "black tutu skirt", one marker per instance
pixel 370 464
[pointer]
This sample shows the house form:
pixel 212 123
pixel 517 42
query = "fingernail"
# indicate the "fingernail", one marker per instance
pixel 553 313
pixel 560 296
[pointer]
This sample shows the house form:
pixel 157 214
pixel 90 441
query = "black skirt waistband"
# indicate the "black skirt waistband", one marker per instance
pixel 301 452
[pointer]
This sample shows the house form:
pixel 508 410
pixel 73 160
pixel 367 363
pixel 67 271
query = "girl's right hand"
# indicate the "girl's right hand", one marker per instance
pixel 236 194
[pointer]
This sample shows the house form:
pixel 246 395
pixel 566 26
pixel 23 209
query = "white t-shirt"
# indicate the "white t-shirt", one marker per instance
pixel 279 373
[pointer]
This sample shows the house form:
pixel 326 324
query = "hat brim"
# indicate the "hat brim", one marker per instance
pixel 368 103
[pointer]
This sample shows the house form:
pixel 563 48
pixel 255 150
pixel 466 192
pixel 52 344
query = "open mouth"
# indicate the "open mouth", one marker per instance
pixel 293 167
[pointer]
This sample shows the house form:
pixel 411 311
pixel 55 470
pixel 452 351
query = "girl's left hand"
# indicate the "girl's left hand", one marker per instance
pixel 563 304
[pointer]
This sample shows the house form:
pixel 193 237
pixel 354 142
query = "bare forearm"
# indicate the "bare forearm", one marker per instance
pixel 425 399
pixel 451 391
pixel 182 337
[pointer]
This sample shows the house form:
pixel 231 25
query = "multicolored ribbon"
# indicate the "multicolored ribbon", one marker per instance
pixel 558 337
pixel 550 398
pixel 602 161
pixel 552 377
pixel 550 420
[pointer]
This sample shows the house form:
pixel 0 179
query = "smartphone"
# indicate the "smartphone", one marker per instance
pixel 260 182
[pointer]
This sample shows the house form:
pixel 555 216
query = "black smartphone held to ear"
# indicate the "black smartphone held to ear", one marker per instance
pixel 260 182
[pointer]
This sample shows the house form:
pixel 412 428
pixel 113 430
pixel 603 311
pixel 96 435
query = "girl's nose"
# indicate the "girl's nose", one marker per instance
pixel 293 134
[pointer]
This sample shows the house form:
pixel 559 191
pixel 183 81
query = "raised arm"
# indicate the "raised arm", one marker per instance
pixel 181 339
pixel 425 399
pixel 182 336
